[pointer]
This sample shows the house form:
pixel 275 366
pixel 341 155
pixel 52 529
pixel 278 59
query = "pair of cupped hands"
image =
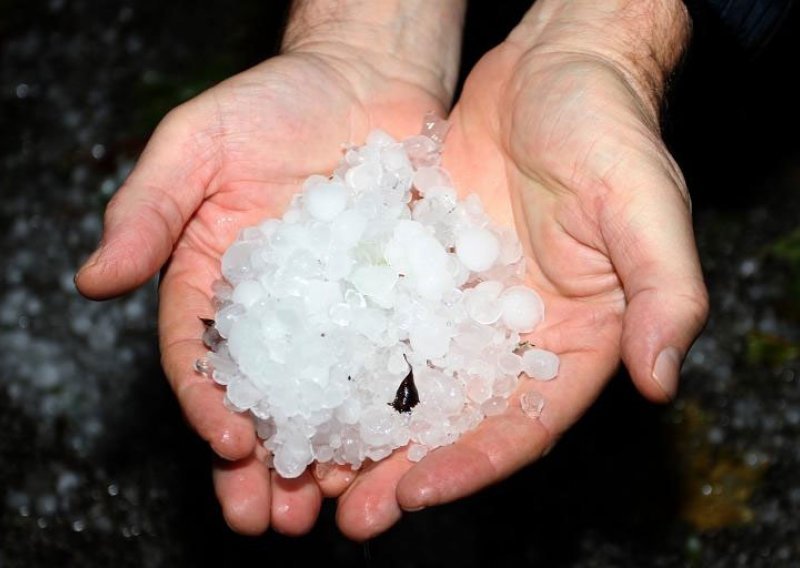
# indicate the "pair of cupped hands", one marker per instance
pixel 559 142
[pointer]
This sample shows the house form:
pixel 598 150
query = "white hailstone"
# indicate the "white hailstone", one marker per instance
pixel 494 406
pixel 479 389
pixel 504 385
pixel 243 395
pixel 540 364
pixel 226 317
pixel 247 293
pixel 236 261
pixel 430 339
pixel 432 177
pixel 378 137
pixel 362 176
pixel 348 227
pixel 293 456
pixel 376 425
pixel 532 404
pixel 362 321
pixel 320 295
pixel 482 302
pixel 523 309
pixel 394 158
pixel 416 452
pixel 375 281
pixel 422 151
pixel 478 249
pixel 222 290
pixel 308 183
pixel 324 201
pixel 510 364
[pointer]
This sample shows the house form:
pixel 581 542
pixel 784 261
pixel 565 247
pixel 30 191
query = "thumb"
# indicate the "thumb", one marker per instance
pixel 652 247
pixel 147 214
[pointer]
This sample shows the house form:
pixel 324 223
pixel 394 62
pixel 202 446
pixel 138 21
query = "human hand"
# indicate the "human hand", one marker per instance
pixel 557 131
pixel 235 155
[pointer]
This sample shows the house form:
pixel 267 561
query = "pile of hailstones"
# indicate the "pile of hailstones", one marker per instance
pixel 379 312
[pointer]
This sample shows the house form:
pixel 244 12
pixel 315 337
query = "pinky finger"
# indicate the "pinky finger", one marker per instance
pixel 295 503
pixel 243 491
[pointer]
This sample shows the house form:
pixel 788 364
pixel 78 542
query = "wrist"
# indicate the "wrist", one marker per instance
pixel 414 41
pixel 643 40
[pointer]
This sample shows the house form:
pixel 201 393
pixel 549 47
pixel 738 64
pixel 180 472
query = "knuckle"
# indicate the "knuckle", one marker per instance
pixel 696 300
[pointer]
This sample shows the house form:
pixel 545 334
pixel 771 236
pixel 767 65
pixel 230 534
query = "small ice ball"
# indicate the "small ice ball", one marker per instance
pixel 394 158
pixel 510 364
pixel 313 180
pixel 378 137
pixel 323 455
pixel 433 283
pixel 248 293
pixel 376 281
pixel 222 290
pixel 532 404
pixel 479 389
pixel 422 151
pixel 243 394
pixel 324 201
pixel 522 308
pixel 494 406
pixel 477 249
pixel 540 364
pixel 363 176
pixel 416 452
pixel 292 458
pixel 348 228
pixel 377 424
pixel 236 261
pixel 428 178
pixel 504 385
pixel 320 295
pixel 430 339
pixel 482 302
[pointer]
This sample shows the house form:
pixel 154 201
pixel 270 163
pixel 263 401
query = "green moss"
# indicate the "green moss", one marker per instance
pixel 717 483
pixel 785 252
pixel 787 249
pixel 767 349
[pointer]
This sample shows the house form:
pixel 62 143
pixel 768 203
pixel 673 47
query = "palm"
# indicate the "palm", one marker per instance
pixel 552 155
pixel 251 141
pixel 544 168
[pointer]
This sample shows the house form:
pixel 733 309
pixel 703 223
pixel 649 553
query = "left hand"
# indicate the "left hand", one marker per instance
pixel 563 143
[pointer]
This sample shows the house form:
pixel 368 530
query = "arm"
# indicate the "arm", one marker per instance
pixel 416 39
pixel 642 39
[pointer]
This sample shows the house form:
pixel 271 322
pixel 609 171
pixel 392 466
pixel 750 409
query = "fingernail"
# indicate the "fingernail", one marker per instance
pixel 667 369
pixel 322 470
pixel 413 509
pixel 92 260
pixel 424 497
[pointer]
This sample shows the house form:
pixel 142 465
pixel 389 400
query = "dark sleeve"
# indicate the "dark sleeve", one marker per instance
pixel 750 22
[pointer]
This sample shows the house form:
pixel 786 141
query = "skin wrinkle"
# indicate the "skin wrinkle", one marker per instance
pixel 423 41
pixel 654 35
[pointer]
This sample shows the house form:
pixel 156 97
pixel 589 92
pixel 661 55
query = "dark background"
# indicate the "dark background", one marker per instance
pixel 97 468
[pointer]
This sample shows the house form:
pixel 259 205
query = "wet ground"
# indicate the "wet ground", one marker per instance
pixel 97 468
